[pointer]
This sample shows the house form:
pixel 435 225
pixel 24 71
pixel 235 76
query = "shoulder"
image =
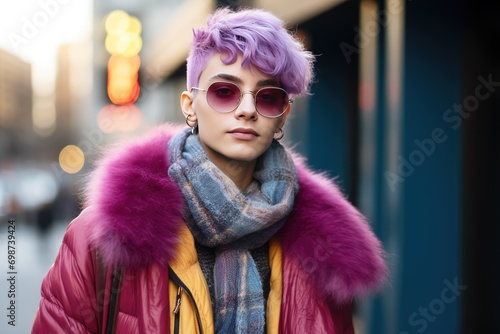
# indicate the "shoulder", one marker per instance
pixel 137 207
pixel 76 243
pixel 331 240
pixel 68 279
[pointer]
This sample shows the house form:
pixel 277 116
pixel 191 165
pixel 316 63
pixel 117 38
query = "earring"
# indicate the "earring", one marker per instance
pixel 194 128
pixel 279 134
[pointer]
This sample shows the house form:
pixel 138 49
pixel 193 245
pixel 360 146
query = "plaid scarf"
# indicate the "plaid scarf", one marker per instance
pixel 232 221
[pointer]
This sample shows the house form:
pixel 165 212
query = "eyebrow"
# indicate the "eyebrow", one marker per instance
pixel 237 80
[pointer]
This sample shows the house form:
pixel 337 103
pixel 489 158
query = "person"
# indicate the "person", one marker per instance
pixel 216 228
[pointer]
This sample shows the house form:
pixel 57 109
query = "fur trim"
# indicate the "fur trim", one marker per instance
pixel 331 240
pixel 140 210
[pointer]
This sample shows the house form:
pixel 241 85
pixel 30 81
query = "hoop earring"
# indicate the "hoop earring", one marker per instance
pixel 194 128
pixel 280 134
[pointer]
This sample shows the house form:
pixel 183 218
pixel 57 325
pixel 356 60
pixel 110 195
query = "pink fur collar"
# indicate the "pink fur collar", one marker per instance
pixel 140 212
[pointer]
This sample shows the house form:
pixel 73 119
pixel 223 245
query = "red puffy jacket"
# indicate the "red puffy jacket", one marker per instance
pixel 325 256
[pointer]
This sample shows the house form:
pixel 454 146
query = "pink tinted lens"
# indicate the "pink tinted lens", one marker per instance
pixel 271 101
pixel 223 96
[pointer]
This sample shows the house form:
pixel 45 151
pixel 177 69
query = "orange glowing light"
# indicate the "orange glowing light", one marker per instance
pixel 123 85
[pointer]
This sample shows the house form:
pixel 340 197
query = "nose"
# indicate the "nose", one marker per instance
pixel 246 108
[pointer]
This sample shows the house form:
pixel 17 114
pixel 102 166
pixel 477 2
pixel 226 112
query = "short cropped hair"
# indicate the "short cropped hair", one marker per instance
pixel 262 40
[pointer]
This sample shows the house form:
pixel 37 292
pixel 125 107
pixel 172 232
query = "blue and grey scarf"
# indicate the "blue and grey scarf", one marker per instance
pixel 232 221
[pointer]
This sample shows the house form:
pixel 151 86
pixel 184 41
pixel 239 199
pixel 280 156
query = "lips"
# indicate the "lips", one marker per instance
pixel 244 133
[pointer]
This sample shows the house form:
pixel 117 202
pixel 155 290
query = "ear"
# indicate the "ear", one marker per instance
pixel 187 105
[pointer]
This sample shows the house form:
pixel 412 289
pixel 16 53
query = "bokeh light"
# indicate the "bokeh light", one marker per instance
pixel 123 42
pixel 123 34
pixel 71 159
pixel 123 85
pixel 117 20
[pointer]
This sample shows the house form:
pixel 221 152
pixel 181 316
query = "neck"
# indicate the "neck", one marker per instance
pixel 240 172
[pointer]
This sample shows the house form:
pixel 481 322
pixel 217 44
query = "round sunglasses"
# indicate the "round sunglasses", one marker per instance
pixel 225 97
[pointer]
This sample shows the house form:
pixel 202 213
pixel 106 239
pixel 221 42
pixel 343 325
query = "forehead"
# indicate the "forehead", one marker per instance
pixel 217 70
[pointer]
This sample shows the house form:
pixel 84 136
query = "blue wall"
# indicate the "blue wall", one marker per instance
pixel 333 104
pixel 432 193
pixel 421 223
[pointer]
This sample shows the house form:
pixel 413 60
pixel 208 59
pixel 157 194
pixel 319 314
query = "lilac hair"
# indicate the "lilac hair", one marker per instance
pixel 261 39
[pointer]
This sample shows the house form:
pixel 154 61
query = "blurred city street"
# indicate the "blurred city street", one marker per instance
pixel 403 114
pixel 35 253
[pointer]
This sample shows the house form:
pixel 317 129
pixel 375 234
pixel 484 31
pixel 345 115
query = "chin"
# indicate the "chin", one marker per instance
pixel 243 158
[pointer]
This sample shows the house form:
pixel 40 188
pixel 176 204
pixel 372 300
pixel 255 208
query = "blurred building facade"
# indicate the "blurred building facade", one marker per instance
pixel 72 95
pixel 15 104
pixel 33 130
pixel 402 114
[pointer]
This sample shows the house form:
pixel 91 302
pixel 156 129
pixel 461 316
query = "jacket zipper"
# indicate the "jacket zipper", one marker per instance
pixel 176 310
pixel 183 287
